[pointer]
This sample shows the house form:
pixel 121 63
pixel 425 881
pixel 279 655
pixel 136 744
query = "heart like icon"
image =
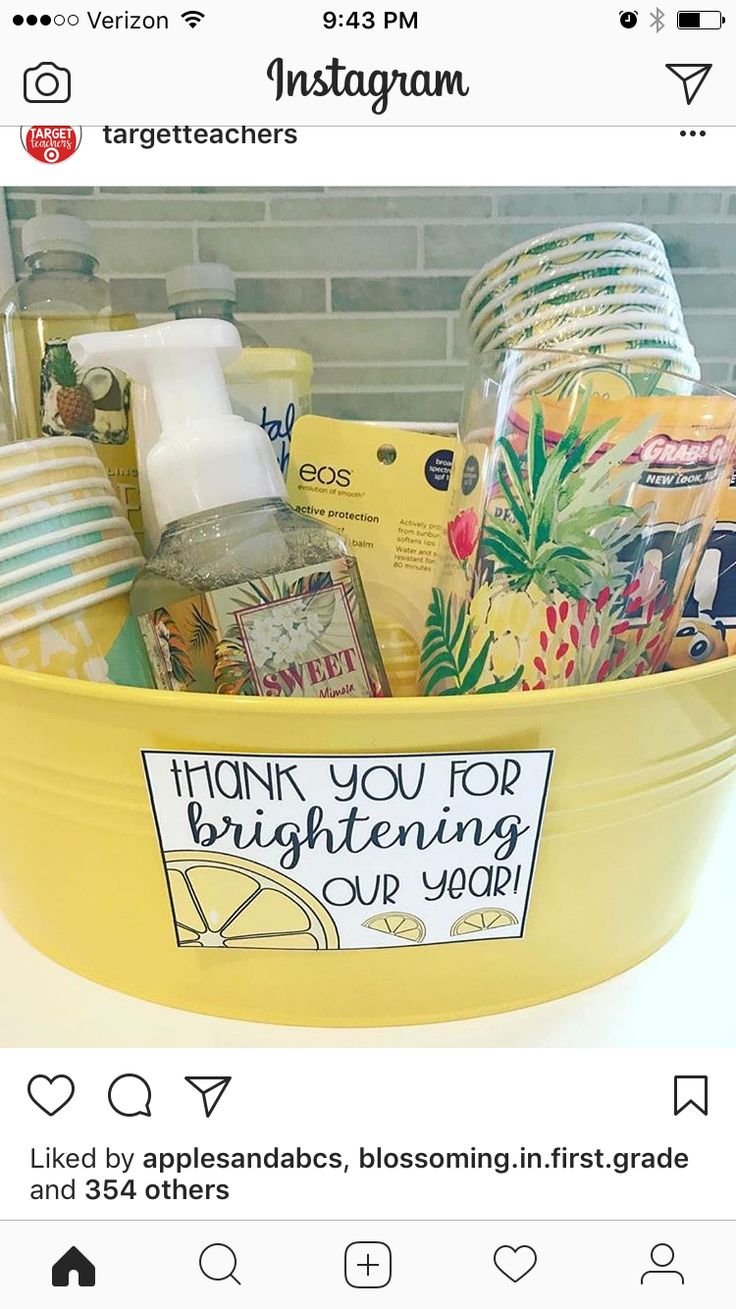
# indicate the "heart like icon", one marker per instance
pixel 515 1261
pixel 51 1093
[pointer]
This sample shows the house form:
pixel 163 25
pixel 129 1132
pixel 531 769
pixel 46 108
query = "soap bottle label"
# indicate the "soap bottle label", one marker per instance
pixel 92 402
pixel 288 635
pixel 95 403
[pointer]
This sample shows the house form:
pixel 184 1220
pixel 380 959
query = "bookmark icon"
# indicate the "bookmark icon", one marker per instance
pixel 211 1090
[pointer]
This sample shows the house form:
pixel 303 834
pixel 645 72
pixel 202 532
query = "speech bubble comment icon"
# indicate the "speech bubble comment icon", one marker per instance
pixel 130 1096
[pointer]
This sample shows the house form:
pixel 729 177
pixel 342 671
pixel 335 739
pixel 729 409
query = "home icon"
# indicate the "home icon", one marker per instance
pixel 72 1264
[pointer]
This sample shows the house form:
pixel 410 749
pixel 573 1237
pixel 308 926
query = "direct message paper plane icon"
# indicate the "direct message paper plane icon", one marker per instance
pixel 692 77
pixel 211 1090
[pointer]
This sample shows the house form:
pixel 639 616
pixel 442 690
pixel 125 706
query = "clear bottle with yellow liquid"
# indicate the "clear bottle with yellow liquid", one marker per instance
pixel 244 596
pixel 44 392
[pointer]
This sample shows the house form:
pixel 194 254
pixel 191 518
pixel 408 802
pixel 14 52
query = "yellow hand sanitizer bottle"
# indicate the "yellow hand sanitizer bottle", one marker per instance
pixel 44 393
pixel 244 596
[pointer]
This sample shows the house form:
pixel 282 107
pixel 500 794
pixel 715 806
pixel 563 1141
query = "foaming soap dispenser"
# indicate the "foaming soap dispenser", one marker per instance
pixel 244 596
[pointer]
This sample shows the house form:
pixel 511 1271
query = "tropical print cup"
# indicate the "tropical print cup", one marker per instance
pixel 569 556
pixel 544 294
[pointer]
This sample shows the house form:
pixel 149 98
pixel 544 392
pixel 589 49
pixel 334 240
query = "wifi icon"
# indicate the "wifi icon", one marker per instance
pixel 193 17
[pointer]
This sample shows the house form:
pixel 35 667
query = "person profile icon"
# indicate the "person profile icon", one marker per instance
pixel 662 1256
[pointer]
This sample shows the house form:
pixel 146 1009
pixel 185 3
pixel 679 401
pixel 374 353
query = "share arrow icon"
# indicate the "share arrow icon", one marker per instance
pixel 692 77
pixel 211 1090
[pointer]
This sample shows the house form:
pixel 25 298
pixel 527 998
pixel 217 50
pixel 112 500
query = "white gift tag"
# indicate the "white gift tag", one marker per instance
pixel 351 851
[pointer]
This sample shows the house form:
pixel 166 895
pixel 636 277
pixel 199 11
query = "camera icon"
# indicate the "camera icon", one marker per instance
pixel 47 84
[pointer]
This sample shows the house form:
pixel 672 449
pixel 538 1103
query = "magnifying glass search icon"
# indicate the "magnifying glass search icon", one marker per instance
pixel 218 1263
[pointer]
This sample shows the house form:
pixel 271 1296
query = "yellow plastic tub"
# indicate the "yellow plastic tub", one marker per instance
pixel 639 783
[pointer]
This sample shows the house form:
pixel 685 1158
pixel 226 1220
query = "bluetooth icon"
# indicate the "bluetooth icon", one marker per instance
pixel 657 17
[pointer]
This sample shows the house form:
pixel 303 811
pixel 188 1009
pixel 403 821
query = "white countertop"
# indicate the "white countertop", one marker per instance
pixel 685 995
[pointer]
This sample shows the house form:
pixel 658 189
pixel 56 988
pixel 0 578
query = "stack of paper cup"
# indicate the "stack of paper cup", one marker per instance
pixel 598 290
pixel 68 558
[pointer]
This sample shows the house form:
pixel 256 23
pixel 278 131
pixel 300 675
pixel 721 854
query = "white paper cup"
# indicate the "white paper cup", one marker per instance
pixel 627 272
pixel 111 549
pixel 54 493
pixel 544 378
pixel 665 310
pixel 601 301
pixel 55 517
pixel 34 453
pixel 562 238
pixel 526 266
pixel 546 325
pixel 584 307
pixel 502 285
pixel 11 627
pixel 45 543
pixel 57 497
pixel 622 327
pixel 53 470
pixel 603 288
pixel 92 582
pixel 619 351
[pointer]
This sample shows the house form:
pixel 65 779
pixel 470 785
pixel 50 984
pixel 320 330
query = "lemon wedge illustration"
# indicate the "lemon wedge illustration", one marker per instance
pixel 483 920
pixel 407 927
pixel 225 901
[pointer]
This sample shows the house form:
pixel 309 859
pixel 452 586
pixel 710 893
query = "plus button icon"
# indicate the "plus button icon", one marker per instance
pixel 368 1265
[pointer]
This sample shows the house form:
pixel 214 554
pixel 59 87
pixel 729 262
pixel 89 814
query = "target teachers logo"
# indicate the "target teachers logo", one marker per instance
pixel 51 145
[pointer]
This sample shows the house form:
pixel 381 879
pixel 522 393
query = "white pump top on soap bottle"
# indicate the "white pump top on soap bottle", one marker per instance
pixel 206 456
pixel 218 491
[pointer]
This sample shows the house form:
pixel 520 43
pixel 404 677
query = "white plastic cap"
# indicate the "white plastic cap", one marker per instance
pixel 200 282
pixel 57 232
pixel 206 456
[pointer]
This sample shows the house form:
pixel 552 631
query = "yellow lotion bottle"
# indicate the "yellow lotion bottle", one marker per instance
pixel 45 394
pixel 244 596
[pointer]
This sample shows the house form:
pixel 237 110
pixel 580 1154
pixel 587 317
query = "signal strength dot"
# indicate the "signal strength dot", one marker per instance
pixel 193 17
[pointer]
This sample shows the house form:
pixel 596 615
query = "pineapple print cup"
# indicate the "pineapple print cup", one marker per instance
pixel 562 245
pixel 544 293
pixel 571 549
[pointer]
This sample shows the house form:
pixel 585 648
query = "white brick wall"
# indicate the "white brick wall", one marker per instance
pixel 369 280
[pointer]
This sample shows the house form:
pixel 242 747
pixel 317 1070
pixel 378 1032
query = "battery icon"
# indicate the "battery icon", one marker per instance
pixel 701 20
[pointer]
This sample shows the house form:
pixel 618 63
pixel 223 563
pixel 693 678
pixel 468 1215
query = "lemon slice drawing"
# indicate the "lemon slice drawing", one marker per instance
pixel 225 901
pixel 406 927
pixel 483 920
